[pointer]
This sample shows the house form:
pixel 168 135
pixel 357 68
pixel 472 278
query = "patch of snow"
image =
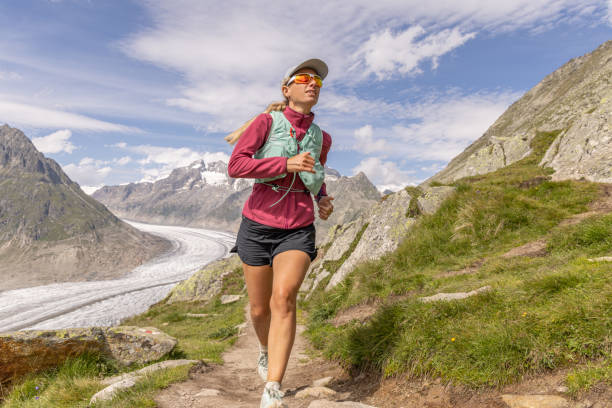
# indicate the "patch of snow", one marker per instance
pixel 214 178
pixel 197 165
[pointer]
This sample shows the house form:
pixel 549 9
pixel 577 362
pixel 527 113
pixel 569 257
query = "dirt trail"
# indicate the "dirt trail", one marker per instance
pixel 238 383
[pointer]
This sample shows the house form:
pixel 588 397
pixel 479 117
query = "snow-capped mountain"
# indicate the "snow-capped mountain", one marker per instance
pixel 203 195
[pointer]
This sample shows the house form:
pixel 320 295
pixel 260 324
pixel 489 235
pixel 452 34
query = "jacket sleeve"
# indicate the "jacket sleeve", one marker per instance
pixel 327 141
pixel 242 164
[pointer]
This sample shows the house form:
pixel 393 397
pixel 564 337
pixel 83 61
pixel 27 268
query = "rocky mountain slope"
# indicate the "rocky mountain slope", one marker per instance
pixel 575 102
pixel 51 231
pixel 203 195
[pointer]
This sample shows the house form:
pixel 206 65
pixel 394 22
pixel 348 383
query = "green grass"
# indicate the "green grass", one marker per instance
pixel 542 314
pixel 204 338
pixel 77 380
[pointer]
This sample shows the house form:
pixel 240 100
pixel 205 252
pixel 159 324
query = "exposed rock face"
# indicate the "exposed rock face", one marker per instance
pixel 387 224
pixel 206 283
pixel 433 198
pixel 51 231
pixel 203 195
pixel 585 150
pixel 576 99
pixel 34 350
pixel 352 196
pixel 378 231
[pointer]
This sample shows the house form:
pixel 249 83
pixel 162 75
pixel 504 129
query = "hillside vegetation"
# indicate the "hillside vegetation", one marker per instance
pixel 549 310
pixel 204 330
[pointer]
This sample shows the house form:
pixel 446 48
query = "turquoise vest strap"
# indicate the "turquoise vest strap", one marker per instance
pixel 281 142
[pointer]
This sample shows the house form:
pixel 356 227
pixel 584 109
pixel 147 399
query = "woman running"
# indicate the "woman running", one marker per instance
pixel 285 152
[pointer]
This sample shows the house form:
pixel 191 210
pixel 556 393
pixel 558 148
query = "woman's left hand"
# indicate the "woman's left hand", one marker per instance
pixel 325 207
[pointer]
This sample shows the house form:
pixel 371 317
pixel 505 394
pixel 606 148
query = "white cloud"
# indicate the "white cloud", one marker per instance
pixel 365 142
pixel 8 75
pixel 88 172
pixel 384 173
pixel 610 11
pixel 385 53
pixel 159 161
pixel 439 129
pixel 233 61
pixel 29 115
pixel 123 160
pixel 55 142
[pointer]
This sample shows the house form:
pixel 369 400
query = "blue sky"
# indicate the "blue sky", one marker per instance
pixel 121 91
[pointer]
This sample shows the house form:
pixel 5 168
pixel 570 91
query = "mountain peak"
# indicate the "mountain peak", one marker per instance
pixel 18 154
pixel 573 103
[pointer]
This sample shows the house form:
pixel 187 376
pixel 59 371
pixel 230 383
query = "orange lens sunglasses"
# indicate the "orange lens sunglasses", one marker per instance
pixel 305 79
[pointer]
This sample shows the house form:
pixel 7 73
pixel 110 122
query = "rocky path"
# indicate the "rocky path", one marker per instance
pixel 236 384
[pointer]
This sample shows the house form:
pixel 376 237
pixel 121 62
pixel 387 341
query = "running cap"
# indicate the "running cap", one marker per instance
pixel 314 63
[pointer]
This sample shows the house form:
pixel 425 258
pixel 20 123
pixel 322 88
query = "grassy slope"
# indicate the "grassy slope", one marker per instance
pixel 205 338
pixel 542 313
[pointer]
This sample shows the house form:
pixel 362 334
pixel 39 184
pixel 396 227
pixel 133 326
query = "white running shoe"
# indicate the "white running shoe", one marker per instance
pixel 272 397
pixel 262 366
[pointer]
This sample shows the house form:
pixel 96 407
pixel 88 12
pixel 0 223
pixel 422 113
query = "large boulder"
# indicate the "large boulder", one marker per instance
pixel 206 283
pixel 29 351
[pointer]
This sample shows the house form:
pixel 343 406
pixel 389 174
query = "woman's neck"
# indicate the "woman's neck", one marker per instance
pixel 304 109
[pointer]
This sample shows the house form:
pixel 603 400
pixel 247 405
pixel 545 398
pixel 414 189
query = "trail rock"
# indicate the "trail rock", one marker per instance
pixel 535 401
pixel 206 283
pixel 454 296
pixel 124 381
pixel 148 369
pixel 207 392
pixel 322 382
pixel 34 350
pixel 225 299
pixel 316 392
pixel 601 259
pixel 333 404
pixel 108 392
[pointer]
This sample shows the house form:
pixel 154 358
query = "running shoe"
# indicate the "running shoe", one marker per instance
pixel 262 366
pixel 272 397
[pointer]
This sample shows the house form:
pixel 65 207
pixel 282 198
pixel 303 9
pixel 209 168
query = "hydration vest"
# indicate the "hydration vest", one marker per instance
pixel 282 142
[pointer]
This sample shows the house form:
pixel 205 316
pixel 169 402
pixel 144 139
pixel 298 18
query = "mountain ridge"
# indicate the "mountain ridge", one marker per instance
pixel 51 231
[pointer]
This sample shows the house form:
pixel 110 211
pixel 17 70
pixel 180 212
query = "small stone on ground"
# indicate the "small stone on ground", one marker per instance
pixel 208 392
pixel 601 259
pixel 322 382
pixel 225 299
pixel 334 404
pixel 454 296
pixel 316 392
pixel 535 401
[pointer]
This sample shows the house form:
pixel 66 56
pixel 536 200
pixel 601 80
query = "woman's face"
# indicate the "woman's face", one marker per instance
pixel 302 94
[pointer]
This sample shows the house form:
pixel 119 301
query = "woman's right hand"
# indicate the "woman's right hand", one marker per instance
pixel 301 162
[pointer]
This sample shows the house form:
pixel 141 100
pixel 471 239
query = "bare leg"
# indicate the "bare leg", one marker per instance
pixel 259 287
pixel 289 269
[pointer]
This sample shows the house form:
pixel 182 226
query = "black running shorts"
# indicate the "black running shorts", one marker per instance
pixel 258 244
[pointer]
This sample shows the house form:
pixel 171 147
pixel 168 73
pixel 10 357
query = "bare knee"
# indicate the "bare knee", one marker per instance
pixel 283 302
pixel 260 311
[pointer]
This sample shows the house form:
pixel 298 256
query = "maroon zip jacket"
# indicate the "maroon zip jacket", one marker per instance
pixel 296 209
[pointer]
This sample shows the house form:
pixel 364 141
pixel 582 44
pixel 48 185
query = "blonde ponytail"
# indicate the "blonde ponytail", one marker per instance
pixel 233 137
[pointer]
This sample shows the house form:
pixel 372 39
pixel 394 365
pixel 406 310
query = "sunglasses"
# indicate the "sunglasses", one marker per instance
pixel 305 79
